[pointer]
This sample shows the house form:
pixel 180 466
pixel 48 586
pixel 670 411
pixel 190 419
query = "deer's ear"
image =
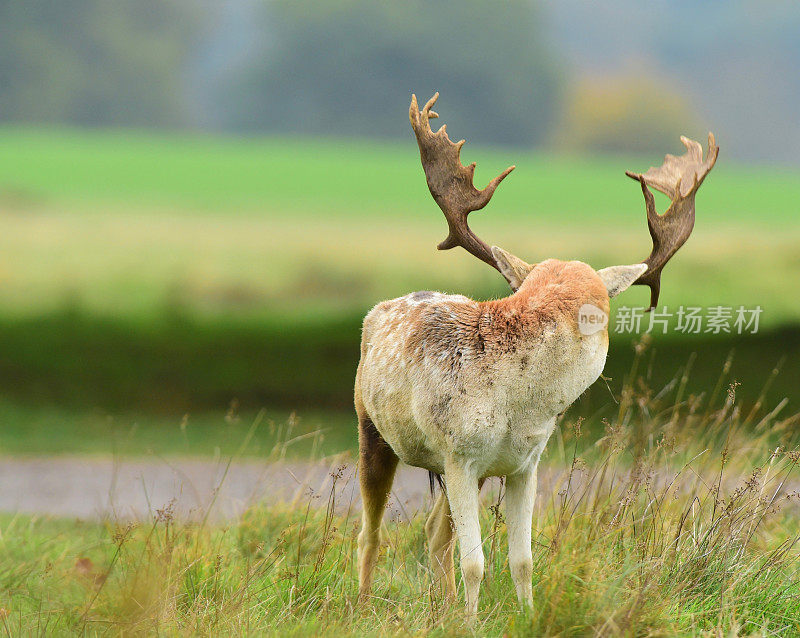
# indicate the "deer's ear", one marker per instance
pixel 513 268
pixel 618 278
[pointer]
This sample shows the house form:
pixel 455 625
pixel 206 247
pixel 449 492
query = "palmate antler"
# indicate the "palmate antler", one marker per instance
pixel 678 178
pixel 450 183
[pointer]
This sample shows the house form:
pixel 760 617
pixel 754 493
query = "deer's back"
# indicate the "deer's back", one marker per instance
pixel 442 374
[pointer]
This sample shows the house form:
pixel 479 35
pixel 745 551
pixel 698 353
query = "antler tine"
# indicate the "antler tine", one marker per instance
pixel 450 182
pixel 679 178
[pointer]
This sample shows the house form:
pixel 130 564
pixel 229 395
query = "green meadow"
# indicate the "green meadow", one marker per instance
pixel 168 295
pixel 124 222
pixel 679 519
pixel 147 276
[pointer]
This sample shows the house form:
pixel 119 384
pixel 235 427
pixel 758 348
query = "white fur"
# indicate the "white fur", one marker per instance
pixel 490 415
pixel 618 279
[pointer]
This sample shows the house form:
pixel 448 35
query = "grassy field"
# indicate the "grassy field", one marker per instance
pixel 344 178
pixel 179 421
pixel 46 430
pixel 679 520
pixel 146 282
pixel 125 224
pixel 143 273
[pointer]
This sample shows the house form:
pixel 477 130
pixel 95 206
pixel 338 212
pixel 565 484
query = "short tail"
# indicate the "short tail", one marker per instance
pixel 435 478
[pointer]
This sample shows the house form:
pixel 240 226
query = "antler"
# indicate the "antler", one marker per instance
pixel 451 184
pixel 679 178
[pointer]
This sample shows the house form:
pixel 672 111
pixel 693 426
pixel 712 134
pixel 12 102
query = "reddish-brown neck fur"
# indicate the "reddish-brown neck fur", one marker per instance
pixel 553 292
pixel 551 295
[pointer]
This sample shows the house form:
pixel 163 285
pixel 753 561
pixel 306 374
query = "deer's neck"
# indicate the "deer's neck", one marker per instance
pixel 551 296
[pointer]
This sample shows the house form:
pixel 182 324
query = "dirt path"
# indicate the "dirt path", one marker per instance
pixel 96 488
pixel 99 487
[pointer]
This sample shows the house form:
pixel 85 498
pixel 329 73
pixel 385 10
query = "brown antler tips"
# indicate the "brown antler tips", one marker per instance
pixel 655 291
pixel 496 181
pixel 447 243
pixel 695 151
pixel 679 178
pixel 451 183
pixel 429 104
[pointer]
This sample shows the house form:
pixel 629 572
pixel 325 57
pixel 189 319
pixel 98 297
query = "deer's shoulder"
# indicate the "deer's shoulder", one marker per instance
pixel 421 308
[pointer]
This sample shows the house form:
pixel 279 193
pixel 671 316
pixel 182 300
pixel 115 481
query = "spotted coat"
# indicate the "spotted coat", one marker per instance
pixel 443 376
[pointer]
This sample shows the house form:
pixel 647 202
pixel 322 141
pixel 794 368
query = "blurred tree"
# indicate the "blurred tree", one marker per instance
pixel 348 67
pixel 624 114
pixel 96 62
pixel 737 62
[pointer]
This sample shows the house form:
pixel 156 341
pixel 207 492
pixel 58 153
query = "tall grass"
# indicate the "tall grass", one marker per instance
pixel 678 519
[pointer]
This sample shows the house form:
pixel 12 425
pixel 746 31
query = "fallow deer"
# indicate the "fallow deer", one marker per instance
pixel 472 389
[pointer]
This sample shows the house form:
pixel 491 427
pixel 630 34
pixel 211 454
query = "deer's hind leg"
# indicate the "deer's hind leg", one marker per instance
pixel 441 541
pixel 377 465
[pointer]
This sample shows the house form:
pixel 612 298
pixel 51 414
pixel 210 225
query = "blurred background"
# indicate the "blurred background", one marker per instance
pixel 200 200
